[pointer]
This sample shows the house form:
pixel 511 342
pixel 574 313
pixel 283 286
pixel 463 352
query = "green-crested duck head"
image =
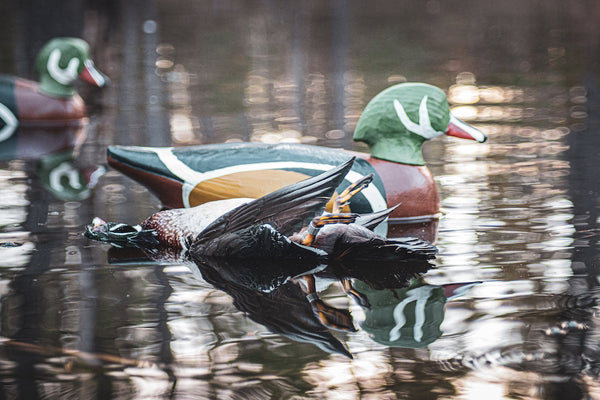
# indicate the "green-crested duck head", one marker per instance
pixel 397 122
pixel 61 62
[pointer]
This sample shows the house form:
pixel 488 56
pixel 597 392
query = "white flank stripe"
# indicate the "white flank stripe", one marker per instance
pixel 193 178
pixel 10 122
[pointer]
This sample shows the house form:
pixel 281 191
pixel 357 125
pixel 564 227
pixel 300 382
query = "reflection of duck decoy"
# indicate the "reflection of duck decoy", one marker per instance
pixel 51 152
pixel 60 175
pixel 394 124
pixel 37 142
pixel 53 100
pixel 410 317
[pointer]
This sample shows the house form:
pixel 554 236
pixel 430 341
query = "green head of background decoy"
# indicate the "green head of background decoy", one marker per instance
pixel 397 122
pixel 61 62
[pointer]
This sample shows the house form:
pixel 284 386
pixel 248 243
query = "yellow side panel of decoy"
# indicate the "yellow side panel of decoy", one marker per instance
pixel 253 184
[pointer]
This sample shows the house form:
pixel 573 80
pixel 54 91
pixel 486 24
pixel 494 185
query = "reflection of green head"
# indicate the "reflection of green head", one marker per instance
pixel 59 64
pixel 409 317
pixel 398 120
pixel 60 176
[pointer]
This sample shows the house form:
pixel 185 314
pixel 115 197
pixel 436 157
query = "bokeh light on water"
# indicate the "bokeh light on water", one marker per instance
pixel 520 212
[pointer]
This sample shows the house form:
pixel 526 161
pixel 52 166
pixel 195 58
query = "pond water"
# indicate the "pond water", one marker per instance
pixel 520 212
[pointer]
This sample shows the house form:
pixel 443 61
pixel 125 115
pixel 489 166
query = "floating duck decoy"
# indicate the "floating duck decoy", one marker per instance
pixel 394 124
pixel 265 227
pixel 53 101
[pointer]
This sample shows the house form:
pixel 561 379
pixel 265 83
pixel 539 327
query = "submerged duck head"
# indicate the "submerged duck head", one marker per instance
pixel 118 234
pixel 61 62
pixel 397 122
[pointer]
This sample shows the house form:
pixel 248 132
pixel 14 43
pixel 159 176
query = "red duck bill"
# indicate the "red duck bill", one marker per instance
pixel 461 129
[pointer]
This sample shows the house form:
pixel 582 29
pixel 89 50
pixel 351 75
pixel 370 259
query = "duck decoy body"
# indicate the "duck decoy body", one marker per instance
pixel 53 101
pixel 243 228
pixel 394 124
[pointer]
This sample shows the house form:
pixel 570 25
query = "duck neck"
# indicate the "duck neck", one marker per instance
pixel 399 149
pixel 52 88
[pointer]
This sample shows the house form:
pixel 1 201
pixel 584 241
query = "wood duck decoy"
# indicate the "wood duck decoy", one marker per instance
pixel 395 124
pixel 269 227
pixel 53 101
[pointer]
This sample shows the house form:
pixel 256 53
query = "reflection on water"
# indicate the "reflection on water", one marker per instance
pixel 520 211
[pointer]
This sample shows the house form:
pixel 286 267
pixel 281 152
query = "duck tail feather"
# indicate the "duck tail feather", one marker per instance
pixel 371 220
pixel 400 249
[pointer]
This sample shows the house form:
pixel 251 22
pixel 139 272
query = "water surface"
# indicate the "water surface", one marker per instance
pixel 521 211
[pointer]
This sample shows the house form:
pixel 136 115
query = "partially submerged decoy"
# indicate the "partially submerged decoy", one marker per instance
pixel 394 124
pixel 53 101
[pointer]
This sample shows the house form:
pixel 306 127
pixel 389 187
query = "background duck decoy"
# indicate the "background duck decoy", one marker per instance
pixel 394 124
pixel 53 101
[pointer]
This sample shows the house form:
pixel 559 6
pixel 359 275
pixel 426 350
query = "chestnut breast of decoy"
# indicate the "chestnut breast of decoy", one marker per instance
pixel 394 124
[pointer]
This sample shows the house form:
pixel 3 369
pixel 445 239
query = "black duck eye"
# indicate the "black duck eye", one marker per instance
pixel 122 228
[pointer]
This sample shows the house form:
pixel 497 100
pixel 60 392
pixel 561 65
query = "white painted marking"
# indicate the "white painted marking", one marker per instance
pixel 10 122
pixel 64 169
pixel 420 296
pixel 423 128
pixel 64 76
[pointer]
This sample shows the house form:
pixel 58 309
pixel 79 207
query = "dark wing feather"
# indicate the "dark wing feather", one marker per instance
pixel 257 242
pixel 381 249
pixel 371 220
pixel 284 209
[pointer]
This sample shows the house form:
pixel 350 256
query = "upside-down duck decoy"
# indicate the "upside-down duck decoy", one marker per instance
pixel 53 101
pixel 395 124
